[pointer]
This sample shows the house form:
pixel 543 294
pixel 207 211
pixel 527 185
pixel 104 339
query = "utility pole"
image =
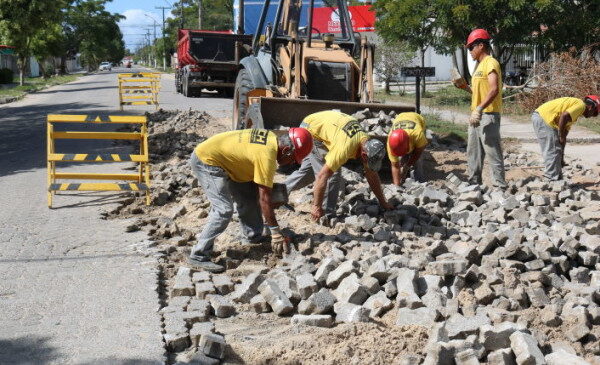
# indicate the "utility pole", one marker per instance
pixel 199 14
pixel 155 54
pixel 148 48
pixel 163 43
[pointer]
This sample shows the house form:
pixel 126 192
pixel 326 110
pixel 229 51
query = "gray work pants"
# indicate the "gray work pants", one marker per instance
pixel 552 150
pixel 223 193
pixel 310 167
pixel 485 141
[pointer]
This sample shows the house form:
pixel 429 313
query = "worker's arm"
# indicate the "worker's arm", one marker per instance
pixel 414 156
pixel 396 173
pixel 492 79
pixel 375 184
pixel 563 121
pixel 319 191
pixel 264 198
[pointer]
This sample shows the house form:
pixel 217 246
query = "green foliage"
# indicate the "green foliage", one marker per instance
pixel 390 57
pixel 448 131
pixel 451 96
pixel 21 21
pixel 6 76
pixel 445 24
pixel 94 32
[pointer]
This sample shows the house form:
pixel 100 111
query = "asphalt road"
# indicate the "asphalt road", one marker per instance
pixel 74 289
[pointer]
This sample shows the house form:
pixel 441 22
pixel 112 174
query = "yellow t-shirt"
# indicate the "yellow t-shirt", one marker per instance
pixel 341 134
pixel 480 86
pixel 246 155
pixel 550 111
pixel 414 125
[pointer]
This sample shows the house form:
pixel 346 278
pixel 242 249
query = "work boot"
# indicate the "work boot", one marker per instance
pixel 203 263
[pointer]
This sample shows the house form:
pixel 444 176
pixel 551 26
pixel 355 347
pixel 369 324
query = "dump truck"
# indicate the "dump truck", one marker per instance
pixel 209 60
pixel 307 60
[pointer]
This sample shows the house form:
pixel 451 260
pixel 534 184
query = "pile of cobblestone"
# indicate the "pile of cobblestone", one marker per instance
pixel 499 277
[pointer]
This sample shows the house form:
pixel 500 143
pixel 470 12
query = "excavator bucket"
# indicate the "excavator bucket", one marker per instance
pixel 271 113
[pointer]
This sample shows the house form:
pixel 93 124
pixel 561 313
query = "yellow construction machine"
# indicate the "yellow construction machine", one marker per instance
pixel 307 60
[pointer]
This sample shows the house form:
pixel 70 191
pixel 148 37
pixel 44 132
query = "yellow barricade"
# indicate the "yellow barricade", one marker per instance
pixel 139 181
pixel 139 88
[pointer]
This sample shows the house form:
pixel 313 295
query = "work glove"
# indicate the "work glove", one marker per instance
pixel 476 117
pixel 458 80
pixel 279 243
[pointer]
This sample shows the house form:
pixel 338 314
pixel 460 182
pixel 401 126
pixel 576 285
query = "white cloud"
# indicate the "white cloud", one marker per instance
pixel 135 24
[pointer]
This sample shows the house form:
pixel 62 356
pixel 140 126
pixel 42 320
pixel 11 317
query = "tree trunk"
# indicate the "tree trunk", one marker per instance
pixel 63 65
pixel 423 65
pixel 42 69
pixel 386 84
pixel 465 65
pixel 21 63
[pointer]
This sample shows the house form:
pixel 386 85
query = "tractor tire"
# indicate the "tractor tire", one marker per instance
pixel 243 84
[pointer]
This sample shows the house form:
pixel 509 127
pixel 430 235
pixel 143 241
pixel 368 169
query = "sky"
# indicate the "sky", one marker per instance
pixel 138 20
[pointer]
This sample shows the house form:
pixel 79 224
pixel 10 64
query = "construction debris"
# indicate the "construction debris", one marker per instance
pixel 492 276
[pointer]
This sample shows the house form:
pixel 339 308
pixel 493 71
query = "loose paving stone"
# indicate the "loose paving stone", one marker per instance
pixel 177 341
pixel 378 304
pixel 277 299
pixel 205 288
pixel 327 266
pixel 320 302
pixel 447 267
pixel 199 305
pixel 497 337
pixel 221 306
pixel 248 288
pixel 466 357
pixel 350 290
pixel 198 329
pixel 199 276
pixel 562 358
pixel 338 274
pixel 259 304
pixel 406 280
pixel 421 316
pixel 459 326
pixel 578 332
pixel 348 312
pixel 223 284
pixel 316 320
pixel 306 285
pixel 501 357
pixel 212 345
pixel 183 283
pixel 526 349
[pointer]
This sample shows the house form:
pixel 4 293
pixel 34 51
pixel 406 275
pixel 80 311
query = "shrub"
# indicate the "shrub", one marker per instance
pixel 6 76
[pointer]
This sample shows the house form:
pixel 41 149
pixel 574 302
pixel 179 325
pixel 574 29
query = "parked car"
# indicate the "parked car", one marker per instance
pixel 105 66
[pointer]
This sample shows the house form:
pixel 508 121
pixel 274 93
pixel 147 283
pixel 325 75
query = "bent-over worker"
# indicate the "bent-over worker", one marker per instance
pixel 238 167
pixel 338 138
pixel 406 140
pixel 552 122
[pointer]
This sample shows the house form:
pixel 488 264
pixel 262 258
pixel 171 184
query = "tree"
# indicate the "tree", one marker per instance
pixel 94 32
pixel 390 57
pixel 47 43
pixel 411 21
pixel 22 21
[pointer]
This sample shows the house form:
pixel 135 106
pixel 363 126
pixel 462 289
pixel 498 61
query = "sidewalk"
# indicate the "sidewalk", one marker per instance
pixel 581 142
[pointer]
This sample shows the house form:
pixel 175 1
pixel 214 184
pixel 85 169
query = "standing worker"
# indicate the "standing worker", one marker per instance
pixel 338 138
pixel 407 140
pixel 239 166
pixel 552 122
pixel 486 105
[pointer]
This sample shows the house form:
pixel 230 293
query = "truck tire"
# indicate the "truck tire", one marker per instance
pixel 185 87
pixel 243 84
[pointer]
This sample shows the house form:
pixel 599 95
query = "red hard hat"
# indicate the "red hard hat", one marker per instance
pixel 302 141
pixel 596 100
pixel 398 141
pixel 477 34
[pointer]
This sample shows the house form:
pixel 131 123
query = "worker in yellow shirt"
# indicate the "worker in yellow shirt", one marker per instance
pixel 486 105
pixel 552 122
pixel 406 140
pixel 338 138
pixel 238 167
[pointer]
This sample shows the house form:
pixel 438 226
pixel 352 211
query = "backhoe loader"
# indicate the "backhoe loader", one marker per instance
pixel 300 65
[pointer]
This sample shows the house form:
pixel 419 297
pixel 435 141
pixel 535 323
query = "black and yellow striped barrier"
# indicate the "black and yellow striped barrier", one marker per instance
pixel 139 181
pixel 140 88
